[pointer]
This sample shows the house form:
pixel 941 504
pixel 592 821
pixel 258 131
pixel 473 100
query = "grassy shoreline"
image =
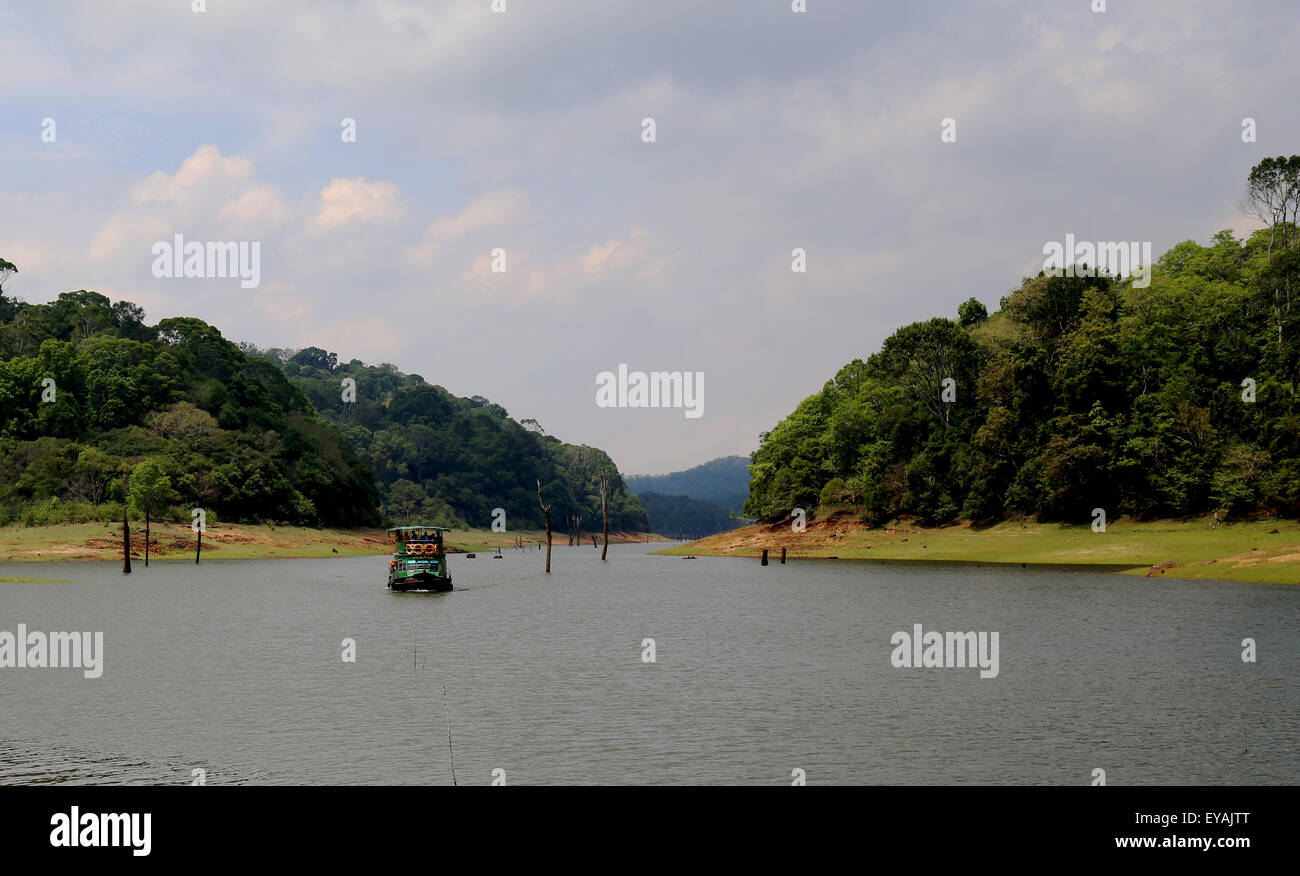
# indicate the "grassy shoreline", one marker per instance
pixel 227 541
pixel 1257 551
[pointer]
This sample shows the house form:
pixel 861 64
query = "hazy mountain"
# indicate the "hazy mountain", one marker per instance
pixel 684 517
pixel 723 481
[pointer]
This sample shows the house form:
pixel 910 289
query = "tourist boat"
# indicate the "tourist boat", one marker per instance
pixel 419 562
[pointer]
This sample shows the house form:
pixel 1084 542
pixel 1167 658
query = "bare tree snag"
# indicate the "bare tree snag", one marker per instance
pixel 126 540
pixel 546 509
pixel 126 545
pixel 602 487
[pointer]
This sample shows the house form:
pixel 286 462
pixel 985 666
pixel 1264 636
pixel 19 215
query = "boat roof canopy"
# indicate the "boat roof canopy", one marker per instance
pixel 419 528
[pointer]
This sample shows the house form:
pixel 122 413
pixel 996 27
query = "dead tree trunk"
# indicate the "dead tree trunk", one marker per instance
pixel 546 509
pixel 126 542
pixel 604 510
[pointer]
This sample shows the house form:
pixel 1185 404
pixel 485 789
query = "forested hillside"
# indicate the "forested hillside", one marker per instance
pixel 684 517
pixel 696 502
pixel 88 392
pixel 1078 393
pixel 439 457
pixel 723 481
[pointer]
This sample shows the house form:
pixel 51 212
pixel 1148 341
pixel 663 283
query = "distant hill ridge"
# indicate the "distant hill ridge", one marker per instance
pixel 696 502
pixel 439 457
pixel 723 481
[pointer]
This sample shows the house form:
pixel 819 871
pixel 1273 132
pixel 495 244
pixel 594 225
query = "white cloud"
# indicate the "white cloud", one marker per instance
pixel 258 204
pixel 347 201
pixel 528 278
pixel 496 209
pixel 210 194
pixel 197 177
pixel 615 254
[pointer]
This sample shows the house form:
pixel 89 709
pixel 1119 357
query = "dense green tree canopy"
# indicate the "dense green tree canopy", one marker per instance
pixel 86 389
pixel 1080 392
pixel 684 517
pixel 440 458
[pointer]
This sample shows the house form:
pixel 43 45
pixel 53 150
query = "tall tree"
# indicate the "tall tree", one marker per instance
pixel 7 270
pixel 972 311
pixel 1273 197
pixel 150 489
pixel 923 355
pixel 93 471
pixel 7 308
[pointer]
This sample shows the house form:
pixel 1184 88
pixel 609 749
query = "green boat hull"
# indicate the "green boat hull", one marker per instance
pixel 419 581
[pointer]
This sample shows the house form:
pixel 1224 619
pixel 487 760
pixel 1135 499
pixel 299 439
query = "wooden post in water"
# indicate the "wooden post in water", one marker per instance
pixel 764 563
pixel 783 555
pixel 198 524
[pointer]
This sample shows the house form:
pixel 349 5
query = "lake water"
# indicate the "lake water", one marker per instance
pixel 235 667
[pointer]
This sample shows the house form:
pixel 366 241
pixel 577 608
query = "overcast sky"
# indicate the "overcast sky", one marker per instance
pixel 523 130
